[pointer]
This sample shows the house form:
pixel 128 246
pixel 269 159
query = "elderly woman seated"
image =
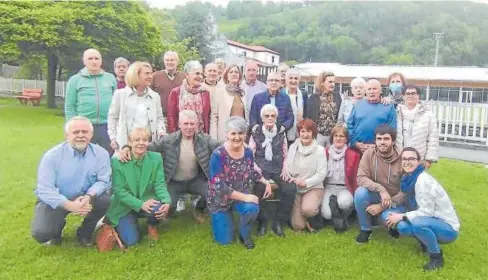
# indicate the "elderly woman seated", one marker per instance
pixel 431 217
pixel 270 149
pixel 307 167
pixel 139 190
pixel 341 180
pixel 232 175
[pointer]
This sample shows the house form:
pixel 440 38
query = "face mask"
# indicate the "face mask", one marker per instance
pixel 396 88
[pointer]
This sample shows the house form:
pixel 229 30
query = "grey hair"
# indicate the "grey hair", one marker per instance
pixel 191 65
pixel 293 71
pixel 77 118
pixel 358 80
pixel 171 53
pixel 236 123
pixel 269 107
pixel 188 114
pixel 121 60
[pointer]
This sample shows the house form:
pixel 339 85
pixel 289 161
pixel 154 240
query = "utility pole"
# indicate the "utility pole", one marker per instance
pixel 437 36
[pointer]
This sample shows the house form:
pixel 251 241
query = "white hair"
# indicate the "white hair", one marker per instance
pixel 358 80
pixel 171 53
pixel 237 124
pixel 68 124
pixel 119 60
pixel 191 65
pixel 187 114
pixel 293 71
pixel 267 108
pixel 250 62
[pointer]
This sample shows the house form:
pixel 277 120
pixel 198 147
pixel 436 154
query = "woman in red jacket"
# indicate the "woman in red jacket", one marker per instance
pixel 340 182
pixel 190 96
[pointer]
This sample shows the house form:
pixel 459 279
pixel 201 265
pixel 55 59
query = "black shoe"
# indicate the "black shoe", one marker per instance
pixel 278 229
pixel 393 233
pixel 436 261
pixel 262 228
pixel 363 236
pixel 247 242
pixel 85 241
pixel 423 247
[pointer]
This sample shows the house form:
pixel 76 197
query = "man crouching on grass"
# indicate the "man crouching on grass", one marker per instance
pixel 73 177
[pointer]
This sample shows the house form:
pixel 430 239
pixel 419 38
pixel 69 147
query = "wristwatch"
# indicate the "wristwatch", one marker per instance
pixel 127 146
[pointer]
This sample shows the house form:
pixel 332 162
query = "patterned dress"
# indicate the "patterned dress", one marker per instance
pixel 227 175
pixel 327 114
pixel 192 102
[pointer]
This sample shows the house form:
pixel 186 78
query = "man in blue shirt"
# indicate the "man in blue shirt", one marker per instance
pixel 273 95
pixel 367 115
pixel 73 177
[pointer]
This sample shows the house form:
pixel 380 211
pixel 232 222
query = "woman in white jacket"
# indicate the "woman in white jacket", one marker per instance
pixel 417 127
pixel 135 106
pixel 431 217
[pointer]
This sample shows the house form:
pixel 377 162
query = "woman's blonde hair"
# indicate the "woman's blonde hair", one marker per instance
pixel 132 76
pixel 319 82
pixel 139 132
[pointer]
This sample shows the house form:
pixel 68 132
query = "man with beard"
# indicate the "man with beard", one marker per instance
pixel 379 175
pixel 73 178
pixel 186 155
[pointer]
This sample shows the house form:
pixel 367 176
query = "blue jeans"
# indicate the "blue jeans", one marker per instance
pixel 128 229
pixel 428 230
pixel 364 198
pixel 100 137
pixel 223 226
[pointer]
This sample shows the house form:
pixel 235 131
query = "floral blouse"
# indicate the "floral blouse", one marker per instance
pixel 327 114
pixel 227 175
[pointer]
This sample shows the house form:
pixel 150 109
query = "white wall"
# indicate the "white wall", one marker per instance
pixel 261 56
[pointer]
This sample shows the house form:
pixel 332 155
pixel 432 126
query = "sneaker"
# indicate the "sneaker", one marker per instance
pixel 85 241
pixel 393 233
pixel 436 261
pixel 363 237
pixel 180 205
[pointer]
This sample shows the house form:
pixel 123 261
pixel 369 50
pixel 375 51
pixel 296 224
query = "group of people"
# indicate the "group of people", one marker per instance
pixel 240 145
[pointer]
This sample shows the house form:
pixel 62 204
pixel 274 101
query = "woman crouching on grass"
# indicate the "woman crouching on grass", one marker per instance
pixel 139 190
pixel 431 218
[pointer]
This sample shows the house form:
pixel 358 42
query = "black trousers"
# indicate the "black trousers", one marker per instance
pixel 286 193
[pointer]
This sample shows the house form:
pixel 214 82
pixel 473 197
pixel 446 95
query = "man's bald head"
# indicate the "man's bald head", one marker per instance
pixel 373 90
pixel 251 71
pixel 92 59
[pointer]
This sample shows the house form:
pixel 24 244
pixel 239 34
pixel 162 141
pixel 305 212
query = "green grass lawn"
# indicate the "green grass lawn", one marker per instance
pixel 186 250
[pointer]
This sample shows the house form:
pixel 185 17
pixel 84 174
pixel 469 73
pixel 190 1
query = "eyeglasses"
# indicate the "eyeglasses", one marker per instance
pixel 411 93
pixel 293 78
pixel 268 116
pixel 410 159
pixel 274 80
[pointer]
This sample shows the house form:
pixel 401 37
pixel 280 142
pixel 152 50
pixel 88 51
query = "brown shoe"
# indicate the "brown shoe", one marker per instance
pixel 152 233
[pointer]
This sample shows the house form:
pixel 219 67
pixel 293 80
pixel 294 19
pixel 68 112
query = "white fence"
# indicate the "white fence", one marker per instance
pixel 17 85
pixel 461 121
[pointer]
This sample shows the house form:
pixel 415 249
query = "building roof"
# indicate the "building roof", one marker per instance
pixel 260 63
pixel 428 73
pixel 251 48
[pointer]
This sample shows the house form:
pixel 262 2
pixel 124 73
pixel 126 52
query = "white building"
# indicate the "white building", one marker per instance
pixel 262 55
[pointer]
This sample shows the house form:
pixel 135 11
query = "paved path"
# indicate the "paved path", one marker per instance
pixel 464 154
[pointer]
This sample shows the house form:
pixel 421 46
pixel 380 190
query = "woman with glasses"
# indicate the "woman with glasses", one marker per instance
pixel 298 100
pixel 270 150
pixel 430 217
pixel 417 127
pixel 229 100
pixel 323 106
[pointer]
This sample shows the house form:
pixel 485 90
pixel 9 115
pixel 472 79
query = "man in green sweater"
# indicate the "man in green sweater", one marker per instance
pixel 89 94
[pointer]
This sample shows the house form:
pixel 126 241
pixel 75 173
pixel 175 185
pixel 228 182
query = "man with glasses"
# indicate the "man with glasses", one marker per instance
pixel 73 178
pixel 379 175
pixel 273 96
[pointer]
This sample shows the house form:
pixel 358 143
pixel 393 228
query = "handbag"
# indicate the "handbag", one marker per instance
pixel 107 238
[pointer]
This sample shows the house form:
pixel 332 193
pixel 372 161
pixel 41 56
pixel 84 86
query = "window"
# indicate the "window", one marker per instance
pixel 244 54
pixel 453 94
pixel 423 92
pixel 443 94
pixel 272 59
pixel 477 96
pixel 434 93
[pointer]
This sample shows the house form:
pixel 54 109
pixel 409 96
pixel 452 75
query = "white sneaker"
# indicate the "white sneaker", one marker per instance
pixel 180 205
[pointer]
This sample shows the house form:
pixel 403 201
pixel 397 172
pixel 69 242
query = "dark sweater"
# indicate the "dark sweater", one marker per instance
pixel 163 85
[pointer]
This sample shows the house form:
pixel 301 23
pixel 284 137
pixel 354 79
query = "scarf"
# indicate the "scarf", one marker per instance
pixel 192 100
pixel 291 162
pixel 269 135
pixel 335 164
pixel 236 89
pixel 192 90
pixel 407 186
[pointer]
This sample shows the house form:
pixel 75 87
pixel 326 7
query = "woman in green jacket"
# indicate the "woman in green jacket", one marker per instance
pixel 139 190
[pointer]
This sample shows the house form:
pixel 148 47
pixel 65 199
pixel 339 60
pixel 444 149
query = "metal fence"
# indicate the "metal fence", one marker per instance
pixel 10 85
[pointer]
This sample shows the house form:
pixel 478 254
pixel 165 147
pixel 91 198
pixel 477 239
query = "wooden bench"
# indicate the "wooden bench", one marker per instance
pixel 30 94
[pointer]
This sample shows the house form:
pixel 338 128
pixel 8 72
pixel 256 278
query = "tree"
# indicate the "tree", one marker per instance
pixel 60 31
